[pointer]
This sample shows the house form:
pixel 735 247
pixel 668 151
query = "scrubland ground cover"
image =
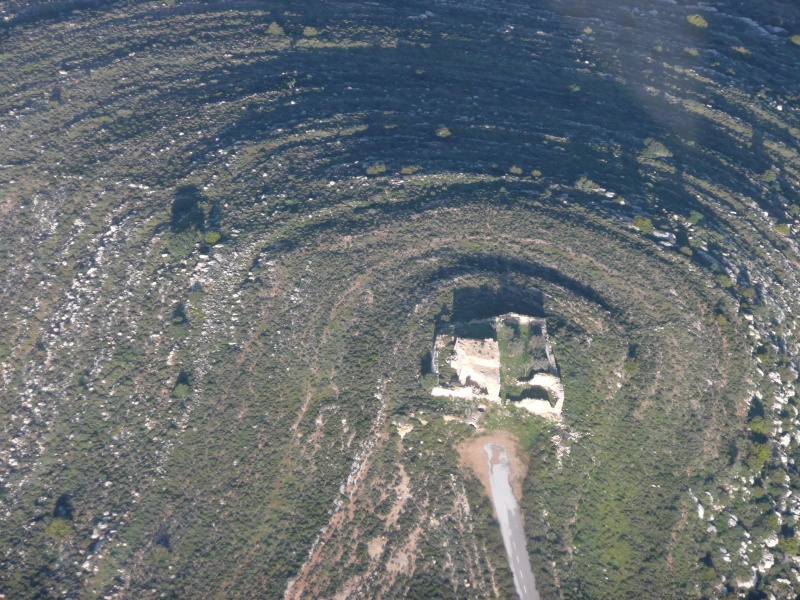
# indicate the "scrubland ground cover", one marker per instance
pixel 229 232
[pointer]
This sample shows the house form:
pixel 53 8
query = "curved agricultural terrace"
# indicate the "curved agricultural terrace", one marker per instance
pixel 231 230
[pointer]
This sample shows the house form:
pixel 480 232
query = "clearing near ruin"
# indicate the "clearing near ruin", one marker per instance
pixel 473 458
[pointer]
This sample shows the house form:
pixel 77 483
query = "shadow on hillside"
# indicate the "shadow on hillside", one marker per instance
pixel 498 111
pixel 187 211
pixel 489 301
pixel 514 289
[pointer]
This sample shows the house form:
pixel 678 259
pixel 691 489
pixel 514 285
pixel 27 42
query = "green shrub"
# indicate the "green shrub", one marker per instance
pixel 708 575
pixel 643 224
pixel 275 29
pixel 783 229
pixel 695 217
pixel 697 21
pixel 212 237
pixel 183 385
pixel 757 456
pixel 796 39
pixel 443 132
pixel 376 169
pixel 653 149
pixel 724 281
pixel 181 390
pixel 789 546
pixel 179 314
pixel 515 170
pixel 759 425
pixel 631 367
pixel 310 32
pixel 762 354
pixel 586 185
pixel 59 529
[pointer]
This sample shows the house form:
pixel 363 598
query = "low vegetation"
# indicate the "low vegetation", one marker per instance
pixel 230 232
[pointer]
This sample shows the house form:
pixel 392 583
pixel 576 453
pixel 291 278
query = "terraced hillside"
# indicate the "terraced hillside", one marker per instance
pixel 230 230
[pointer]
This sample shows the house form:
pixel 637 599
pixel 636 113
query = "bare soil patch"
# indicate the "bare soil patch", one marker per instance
pixel 403 491
pixel 375 548
pixel 474 457
pixel 403 560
